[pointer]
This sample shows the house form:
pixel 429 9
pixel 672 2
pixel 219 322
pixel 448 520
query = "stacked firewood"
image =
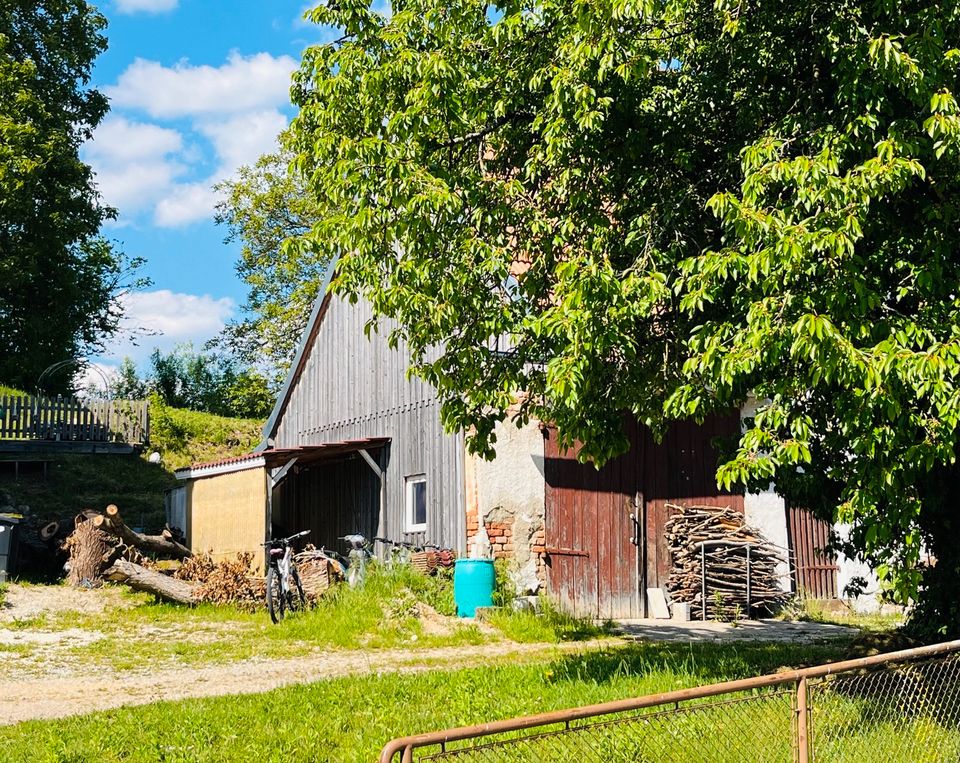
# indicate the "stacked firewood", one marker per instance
pixel 726 565
pixel 318 572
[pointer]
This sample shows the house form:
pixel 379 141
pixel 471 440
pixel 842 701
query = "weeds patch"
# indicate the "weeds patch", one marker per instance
pixel 550 625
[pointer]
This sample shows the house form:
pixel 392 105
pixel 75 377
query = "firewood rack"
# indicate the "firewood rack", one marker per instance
pixel 703 571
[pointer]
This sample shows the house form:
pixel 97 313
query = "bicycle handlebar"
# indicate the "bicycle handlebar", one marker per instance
pixel 285 541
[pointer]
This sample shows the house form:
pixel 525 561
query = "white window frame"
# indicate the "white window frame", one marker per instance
pixel 410 508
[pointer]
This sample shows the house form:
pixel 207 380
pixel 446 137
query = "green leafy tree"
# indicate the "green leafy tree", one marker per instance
pixel 264 206
pixel 58 277
pixel 127 384
pixel 698 200
pixel 204 381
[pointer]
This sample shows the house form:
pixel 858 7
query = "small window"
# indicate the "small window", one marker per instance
pixel 416 503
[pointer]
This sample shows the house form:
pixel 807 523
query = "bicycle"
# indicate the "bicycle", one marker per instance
pixel 281 569
pixel 400 552
pixel 357 559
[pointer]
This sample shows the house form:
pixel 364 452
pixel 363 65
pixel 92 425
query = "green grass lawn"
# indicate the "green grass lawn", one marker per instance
pixel 350 719
pixel 396 608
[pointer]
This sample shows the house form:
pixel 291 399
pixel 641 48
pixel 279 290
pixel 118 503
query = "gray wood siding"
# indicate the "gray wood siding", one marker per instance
pixel 353 387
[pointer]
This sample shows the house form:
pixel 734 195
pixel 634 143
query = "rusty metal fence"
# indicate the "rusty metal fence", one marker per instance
pixel 897 708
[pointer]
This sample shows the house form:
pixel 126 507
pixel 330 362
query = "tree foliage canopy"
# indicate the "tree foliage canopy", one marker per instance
pixel 197 381
pixel 58 276
pixel 701 200
pixel 264 206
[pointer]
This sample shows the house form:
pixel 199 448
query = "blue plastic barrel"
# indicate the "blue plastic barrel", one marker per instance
pixel 473 583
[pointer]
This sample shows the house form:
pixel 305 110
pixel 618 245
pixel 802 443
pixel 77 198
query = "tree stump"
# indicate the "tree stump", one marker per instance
pixel 88 546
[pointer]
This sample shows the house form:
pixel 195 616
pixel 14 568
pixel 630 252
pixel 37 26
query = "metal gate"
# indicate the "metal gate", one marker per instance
pixel 604 528
pixel 901 707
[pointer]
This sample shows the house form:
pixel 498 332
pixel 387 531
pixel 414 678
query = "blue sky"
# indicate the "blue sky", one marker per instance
pixel 197 89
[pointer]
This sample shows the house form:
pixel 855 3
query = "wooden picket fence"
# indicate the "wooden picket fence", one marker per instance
pixel 71 420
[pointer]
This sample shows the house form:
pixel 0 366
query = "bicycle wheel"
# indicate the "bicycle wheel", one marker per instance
pixel 275 597
pixel 297 598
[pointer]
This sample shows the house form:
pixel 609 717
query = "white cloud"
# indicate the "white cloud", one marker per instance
pixel 120 139
pixel 145 6
pixel 186 203
pixel 172 318
pixel 178 316
pixel 237 141
pixel 233 108
pixel 243 139
pixel 136 163
pixel 241 84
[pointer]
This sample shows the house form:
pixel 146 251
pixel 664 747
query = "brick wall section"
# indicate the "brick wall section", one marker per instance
pixel 500 536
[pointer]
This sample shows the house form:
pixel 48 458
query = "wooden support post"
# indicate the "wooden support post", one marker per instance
pixel 382 476
pixel 703 582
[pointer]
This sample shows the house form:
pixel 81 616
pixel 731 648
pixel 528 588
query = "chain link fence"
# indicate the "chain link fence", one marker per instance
pixel 899 707
pixel 902 712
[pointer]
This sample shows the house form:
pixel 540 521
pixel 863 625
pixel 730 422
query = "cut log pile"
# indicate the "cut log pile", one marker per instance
pixel 102 547
pixel 726 565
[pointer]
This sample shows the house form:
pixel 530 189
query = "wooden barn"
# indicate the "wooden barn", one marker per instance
pixel 354 446
pixel 345 387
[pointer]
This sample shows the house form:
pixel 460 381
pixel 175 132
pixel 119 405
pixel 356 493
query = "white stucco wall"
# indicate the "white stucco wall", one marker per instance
pixel 869 600
pixel 510 491
pixel 767 512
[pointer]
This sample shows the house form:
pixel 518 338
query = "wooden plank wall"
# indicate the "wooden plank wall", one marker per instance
pixel 592 565
pixel 68 419
pixel 353 387
pixel 815 573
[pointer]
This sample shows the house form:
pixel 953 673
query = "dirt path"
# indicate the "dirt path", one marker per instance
pixel 47 697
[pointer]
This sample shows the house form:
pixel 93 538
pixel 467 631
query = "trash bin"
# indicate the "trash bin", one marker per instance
pixel 473 585
pixel 8 545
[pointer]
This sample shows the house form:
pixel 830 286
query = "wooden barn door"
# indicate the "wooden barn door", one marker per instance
pixel 815 572
pixel 593 535
pixel 605 529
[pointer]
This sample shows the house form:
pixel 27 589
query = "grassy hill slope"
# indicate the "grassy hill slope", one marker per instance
pixel 185 437
pixel 77 482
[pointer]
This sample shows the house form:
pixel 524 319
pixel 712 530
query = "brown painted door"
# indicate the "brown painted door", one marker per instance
pixel 605 529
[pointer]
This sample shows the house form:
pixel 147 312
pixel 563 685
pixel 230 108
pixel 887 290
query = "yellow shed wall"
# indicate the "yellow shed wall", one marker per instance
pixel 227 514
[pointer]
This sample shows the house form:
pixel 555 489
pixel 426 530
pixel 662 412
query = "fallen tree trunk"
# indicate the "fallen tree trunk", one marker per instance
pixel 154 544
pixel 141 579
